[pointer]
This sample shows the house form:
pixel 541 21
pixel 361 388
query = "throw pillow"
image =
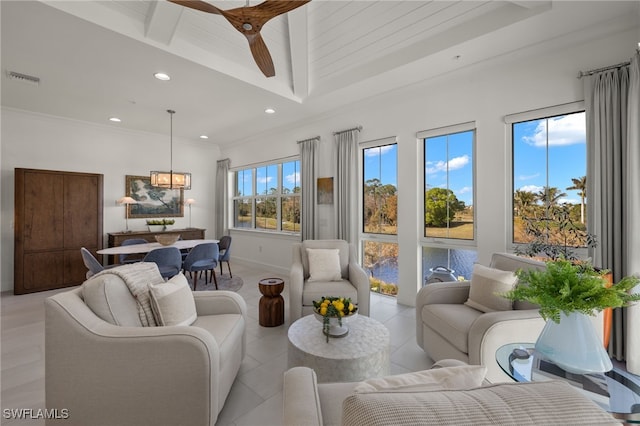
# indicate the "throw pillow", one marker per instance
pixel 324 264
pixel 172 302
pixel 456 378
pixel 486 285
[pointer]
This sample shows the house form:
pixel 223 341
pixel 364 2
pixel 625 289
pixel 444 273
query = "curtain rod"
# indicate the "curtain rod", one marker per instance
pixel 315 138
pixel 586 73
pixel 358 128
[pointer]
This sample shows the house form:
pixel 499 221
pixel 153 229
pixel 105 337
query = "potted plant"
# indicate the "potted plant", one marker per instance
pixel 567 293
pixel 155 225
pixel 168 223
pixel 332 311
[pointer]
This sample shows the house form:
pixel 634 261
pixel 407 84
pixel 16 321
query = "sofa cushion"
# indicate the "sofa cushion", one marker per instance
pixel 314 290
pixel 452 322
pixel 172 302
pixel 459 377
pixel 324 264
pixel 109 298
pixel 486 284
pixel 551 402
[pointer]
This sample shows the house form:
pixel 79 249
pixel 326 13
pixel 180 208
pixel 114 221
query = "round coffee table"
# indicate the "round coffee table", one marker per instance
pixel 271 305
pixel 616 391
pixel 363 353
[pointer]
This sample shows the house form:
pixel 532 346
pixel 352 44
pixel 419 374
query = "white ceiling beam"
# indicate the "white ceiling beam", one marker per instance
pixel 162 21
pixel 299 46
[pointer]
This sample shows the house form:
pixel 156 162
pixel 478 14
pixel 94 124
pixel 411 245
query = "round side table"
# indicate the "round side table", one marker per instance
pixel 271 307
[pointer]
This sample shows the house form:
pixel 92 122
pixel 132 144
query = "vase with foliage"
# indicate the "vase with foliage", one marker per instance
pixel 567 293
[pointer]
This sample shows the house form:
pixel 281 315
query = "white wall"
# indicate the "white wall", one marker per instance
pixel 482 93
pixel 53 143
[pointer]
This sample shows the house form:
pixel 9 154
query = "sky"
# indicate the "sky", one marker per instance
pixel 449 164
pixel 267 178
pixel 560 138
pixel 382 163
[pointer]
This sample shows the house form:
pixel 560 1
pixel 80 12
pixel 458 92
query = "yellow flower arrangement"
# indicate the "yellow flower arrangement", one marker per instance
pixel 333 307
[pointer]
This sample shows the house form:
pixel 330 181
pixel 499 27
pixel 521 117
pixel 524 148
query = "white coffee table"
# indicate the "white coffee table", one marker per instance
pixel 363 353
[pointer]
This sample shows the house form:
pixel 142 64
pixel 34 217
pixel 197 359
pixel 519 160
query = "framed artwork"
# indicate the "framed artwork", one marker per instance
pixel 152 200
pixel 325 190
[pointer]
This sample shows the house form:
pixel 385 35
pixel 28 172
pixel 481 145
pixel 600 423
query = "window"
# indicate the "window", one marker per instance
pixel 448 203
pixel 274 205
pixel 549 177
pixel 380 214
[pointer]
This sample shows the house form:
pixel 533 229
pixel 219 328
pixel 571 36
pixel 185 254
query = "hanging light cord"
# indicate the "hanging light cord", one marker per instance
pixel 171 112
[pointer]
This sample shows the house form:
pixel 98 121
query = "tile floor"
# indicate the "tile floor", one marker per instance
pixel 256 396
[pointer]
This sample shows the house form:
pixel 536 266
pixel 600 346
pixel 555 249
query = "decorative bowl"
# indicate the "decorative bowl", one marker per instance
pixel 168 239
pixel 335 329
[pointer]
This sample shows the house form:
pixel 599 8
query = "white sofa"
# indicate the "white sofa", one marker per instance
pixel 128 374
pixel 307 403
pixel 446 328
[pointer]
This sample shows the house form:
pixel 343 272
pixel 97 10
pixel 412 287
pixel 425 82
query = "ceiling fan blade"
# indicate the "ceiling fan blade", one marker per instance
pixel 261 54
pixel 198 5
pixel 271 8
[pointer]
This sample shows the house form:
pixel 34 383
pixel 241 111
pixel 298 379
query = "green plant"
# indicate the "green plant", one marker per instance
pixel 168 221
pixel 155 221
pixel 567 287
pixel 333 307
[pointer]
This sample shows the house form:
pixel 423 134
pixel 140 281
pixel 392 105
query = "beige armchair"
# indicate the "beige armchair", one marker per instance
pixel 447 328
pixel 106 374
pixel 302 292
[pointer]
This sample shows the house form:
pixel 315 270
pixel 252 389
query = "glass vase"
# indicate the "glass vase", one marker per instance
pixel 573 345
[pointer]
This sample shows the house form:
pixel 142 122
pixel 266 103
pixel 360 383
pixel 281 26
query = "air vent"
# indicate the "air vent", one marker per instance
pixel 29 79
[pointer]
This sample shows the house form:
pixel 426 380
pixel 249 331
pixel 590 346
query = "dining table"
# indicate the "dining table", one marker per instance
pixel 147 247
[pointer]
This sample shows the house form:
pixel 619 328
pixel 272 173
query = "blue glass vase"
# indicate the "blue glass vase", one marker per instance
pixel 573 345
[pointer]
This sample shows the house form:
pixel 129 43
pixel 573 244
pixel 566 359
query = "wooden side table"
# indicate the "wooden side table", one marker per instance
pixel 271 307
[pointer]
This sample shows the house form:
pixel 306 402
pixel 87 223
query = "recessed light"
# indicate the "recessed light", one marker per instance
pixel 115 119
pixel 204 137
pixel 270 111
pixel 162 76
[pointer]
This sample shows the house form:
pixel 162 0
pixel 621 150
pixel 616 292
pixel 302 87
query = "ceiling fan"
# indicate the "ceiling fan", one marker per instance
pixel 249 20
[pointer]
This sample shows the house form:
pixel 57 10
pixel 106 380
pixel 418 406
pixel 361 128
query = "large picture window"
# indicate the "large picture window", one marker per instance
pixel 448 203
pixel 380 214
pixel 267 197
pixel 549 181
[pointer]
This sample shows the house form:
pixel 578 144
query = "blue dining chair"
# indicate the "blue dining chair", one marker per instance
pixel 168 259
pixel 203 257
pixel 131 258
pixel 92 263
pixel 224 247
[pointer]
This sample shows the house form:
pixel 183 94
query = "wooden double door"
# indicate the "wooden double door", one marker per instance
pixel 56 213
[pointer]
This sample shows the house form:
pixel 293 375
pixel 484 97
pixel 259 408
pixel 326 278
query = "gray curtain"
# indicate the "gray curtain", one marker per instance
pixel 308 169
pixel 612 189
pixel 222 198
pixel 346 185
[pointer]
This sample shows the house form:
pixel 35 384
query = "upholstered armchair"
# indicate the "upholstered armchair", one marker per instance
pixel 106 368
pixel 340 277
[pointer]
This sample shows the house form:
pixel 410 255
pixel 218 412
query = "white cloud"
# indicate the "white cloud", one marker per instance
pixel 531 188
pixel 464 190
pixel 565 130
pixel 293 177
pixel 441 166
pixel 529 177
pixel 382 150
pixel 264 179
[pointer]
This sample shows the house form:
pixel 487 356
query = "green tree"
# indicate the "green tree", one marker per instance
pixel 581 185
pixel 441 206
pixel 523 200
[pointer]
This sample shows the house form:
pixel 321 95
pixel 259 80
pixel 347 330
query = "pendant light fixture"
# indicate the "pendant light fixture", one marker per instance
pixel 171 179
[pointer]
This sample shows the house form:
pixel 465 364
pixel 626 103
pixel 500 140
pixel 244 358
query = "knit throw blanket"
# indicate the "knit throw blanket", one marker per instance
pixel 138 276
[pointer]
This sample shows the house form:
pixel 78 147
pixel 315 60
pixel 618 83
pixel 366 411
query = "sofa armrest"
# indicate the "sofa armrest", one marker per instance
pixel 454 292
pixel 358 277
pixel 219 302
pixel 296 283
pixel 495 329
pixel 301 398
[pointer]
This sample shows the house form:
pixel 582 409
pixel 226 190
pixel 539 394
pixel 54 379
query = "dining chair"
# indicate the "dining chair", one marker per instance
pixel 203 257
pixel 131 258
pixel 92 263
pixel 224 247
pixel 168 259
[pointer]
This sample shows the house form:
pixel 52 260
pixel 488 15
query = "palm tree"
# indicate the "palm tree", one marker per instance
pixel 523 200
pixel 581 185
pixel 550 195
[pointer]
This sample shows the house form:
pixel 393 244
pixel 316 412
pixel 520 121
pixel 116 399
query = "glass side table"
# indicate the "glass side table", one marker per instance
pixel 615 391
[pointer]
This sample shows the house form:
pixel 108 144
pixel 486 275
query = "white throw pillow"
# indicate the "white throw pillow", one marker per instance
pixel 452 378
pixel 324 264
pixel 172 302
pixel 486 284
